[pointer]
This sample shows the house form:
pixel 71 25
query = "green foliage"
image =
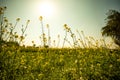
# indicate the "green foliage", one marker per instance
pixel 112 27
pixel 59 64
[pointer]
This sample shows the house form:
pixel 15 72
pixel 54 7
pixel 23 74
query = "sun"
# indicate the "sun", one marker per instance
pixel 46 9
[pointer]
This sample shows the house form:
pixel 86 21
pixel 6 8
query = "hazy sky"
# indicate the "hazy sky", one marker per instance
pixel 86 15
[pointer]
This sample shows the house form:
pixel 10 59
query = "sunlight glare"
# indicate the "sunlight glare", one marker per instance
pixel 46 9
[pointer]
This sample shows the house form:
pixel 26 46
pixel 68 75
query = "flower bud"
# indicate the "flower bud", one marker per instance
pixel 40 18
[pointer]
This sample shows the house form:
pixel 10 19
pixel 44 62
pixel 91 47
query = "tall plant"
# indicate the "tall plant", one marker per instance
pixel 44 39
pixel 68 30
pixel 2 22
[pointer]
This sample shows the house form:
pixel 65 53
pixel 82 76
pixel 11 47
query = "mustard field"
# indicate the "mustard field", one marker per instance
pixel 20 63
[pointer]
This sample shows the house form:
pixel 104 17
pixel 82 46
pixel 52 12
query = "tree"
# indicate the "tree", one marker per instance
pixel 112 28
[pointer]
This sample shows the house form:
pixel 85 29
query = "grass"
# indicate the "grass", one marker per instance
pixel 59 64
pixel 87 59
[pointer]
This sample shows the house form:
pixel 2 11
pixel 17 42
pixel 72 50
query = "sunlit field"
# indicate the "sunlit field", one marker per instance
pixel 59 64
pixel 85 59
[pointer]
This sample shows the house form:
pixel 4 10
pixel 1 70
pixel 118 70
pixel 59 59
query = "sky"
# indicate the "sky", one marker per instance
pixel 82 15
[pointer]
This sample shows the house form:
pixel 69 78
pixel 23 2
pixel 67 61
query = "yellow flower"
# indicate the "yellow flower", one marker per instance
pixel 76 61
pixel 41 57
pixel 1 10
pixel 32 41
pixel 10 24
pixel 110 65
pixel 46 63
pixel 81 78
pixel 3 30
pixel 82 32
pixel 28 21
pixel 65 25
pixel 5 8
pixel 98 64
pixel 5 20
pixel 58 36
pixel 18 19
pixel 40 74
pixel 29 67
pixel 72 35
pixel 21 38
pixel 25 67
pixel 118 60
pixel 40 18
pixel 61 58
pixel 16 36
pixel 22 61
pixel 92 66
pixel 47 25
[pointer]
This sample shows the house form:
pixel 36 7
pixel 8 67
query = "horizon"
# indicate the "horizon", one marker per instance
pixel 83 15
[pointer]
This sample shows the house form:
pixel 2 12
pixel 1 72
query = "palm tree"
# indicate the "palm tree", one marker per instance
pixel 112 28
